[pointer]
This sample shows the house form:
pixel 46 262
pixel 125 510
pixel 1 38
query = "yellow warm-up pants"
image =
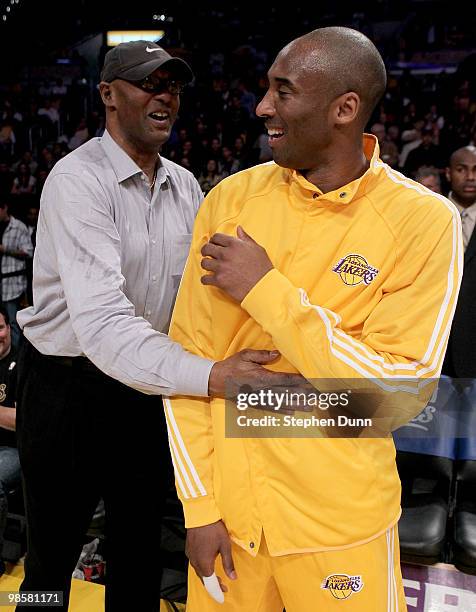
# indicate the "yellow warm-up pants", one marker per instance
pixel 365 578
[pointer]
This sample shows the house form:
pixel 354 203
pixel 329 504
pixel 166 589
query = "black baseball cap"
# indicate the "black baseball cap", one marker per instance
pixel 135 60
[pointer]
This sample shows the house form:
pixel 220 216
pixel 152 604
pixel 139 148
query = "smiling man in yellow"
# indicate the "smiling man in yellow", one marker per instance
pixel 351 271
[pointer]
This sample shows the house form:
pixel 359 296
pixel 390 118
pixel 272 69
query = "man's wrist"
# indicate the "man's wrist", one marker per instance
pixel 212 377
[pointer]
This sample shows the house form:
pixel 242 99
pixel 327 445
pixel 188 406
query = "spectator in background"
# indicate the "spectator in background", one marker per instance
pixel 210 177
pixel 263 149
pixel 24 182
pixel 236 117
pixel 434 119
pixel 458 123
pixel 393 135
pixel 429 177
pixel 49 118
pixel 7 139
pixel 47 160
pixel 459 360
pixel 412 139
pixel 60 149
pixel 215 149
pixel 461 174
pixel 15 249
pixel 185 163
pixel 241 153
pixel 80 136
pixel 59 88
pixel 229 164
pixel 189 151
pixel 41 177
pixel 218 131
pixel 10 471
pixel 426 154
pixel 388 149
pixel 32 222
pixel 50 111
pixel 247 98
pixel 26 158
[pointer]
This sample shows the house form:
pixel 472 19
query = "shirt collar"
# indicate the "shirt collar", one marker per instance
pixel 470 210
pixel 123 165
pixel 346 193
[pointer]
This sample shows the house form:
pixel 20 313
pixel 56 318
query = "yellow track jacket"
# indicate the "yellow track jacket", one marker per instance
pixel 364 285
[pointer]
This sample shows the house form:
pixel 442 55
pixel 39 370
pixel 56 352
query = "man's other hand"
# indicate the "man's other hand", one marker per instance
pixel 235 264
pixel 202 546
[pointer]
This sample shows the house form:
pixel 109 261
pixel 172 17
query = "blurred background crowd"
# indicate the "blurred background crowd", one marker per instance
pixel 49 106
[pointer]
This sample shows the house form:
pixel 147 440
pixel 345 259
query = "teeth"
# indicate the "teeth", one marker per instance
pixel 274 132
pixel 159 116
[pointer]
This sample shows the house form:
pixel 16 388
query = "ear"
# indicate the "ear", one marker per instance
pixel 107 94
pixel 346 108
pixel 448 174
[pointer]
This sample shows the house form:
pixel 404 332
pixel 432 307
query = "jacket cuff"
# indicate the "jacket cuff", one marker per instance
pixel 200 511
pixel 261 302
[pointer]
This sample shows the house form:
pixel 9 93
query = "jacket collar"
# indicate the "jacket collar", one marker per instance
pixel 347 193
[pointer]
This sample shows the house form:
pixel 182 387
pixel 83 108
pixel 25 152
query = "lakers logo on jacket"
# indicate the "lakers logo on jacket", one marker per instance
pixel 342 586
pixel 354 269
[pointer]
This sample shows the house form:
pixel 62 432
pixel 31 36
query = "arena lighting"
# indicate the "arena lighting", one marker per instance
pixel 115 37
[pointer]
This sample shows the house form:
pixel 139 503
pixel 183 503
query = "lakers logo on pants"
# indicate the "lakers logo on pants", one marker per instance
pixel 364 578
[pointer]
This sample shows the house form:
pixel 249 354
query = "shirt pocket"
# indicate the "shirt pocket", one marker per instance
pixel 179 248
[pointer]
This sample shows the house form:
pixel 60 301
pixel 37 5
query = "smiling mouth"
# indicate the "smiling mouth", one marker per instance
pixel 160 118
pixel 275 133
pixel 274 136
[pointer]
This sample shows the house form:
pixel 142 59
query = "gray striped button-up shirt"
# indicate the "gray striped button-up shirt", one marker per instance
pixel 15 238
pixel 107 266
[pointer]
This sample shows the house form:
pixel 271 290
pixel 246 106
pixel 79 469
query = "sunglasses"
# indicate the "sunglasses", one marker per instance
pixel 157 86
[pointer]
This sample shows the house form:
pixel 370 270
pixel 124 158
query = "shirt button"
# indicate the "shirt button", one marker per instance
pixel 142 178
pixel 153 241
pixel 148 313
pixel 252 544
pixel 154 278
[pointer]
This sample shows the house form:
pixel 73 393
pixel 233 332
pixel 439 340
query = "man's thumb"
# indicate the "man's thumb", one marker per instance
pixel 260 357
pixel 242 235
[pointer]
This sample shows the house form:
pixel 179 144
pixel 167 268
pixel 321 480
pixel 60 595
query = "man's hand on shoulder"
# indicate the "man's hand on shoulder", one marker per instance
pixel 235 264
pixel 202 546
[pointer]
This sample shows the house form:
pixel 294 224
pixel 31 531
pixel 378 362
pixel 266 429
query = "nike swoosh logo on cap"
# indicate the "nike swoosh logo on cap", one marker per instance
pixel 149 49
